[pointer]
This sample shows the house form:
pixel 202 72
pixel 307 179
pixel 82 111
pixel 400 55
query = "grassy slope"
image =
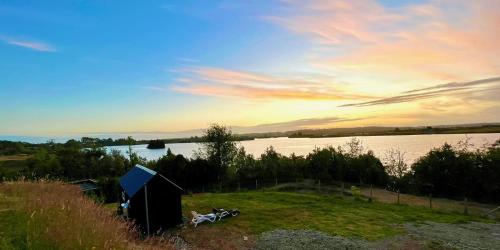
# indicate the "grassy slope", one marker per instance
pixel 474 208
pixel 57 216
pixel 264 211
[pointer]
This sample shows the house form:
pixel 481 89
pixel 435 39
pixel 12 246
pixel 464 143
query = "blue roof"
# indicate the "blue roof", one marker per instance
pixel 135 179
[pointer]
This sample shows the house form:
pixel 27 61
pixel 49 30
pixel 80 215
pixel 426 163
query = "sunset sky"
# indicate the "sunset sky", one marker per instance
pixel 78 67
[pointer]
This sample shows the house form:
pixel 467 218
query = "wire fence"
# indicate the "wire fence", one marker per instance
pixel 345 189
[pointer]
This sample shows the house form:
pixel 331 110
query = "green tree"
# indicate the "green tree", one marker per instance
pixel 219 148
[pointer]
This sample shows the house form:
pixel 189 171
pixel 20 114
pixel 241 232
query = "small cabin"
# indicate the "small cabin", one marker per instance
pixel 151 200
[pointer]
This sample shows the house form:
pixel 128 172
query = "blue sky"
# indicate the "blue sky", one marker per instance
pixel 70 67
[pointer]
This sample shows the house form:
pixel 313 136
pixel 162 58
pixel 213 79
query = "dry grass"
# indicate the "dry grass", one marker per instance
pixel 20 157
pixel 57 216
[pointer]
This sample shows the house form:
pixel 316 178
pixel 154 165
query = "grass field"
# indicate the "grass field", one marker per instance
pixel 385 196
pixel 57 216
pixel 266 211
pixel 442 204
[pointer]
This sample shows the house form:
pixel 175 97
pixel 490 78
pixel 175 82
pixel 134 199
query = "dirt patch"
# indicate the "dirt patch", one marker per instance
pixel 472 235
pixel 306 239
pixel 209 237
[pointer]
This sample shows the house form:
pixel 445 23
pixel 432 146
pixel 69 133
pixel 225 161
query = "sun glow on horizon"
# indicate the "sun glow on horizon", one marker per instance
pixel 331 63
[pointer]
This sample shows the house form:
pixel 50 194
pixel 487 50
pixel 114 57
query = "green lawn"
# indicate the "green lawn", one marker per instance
pixel 264 211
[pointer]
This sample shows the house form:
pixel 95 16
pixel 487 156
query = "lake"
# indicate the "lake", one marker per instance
pixel 413 145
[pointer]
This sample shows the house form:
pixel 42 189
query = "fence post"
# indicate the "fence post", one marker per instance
pixel 466 208
pixel 319 185
pixel 276 181
pixel 371 193
pixel 256 185
pixel 430 200
pixel 203 188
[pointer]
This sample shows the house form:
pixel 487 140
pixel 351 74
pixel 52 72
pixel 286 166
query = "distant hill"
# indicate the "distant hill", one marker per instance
pixel 190 136
pixel 360 131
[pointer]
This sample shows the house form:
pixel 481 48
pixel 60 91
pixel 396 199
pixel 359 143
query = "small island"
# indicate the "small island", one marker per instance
pixel 156 144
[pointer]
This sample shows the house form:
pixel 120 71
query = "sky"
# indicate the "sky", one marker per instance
pixel 118 67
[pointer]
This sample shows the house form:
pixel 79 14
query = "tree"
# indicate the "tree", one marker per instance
pixel 219 148
pixel 396 167
pixel 244 166
pixel 156 144
pixel 321 162
pixel 354 147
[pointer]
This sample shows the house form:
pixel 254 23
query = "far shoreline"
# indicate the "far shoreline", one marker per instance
pixel 488 128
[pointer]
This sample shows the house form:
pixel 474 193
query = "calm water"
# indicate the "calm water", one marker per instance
pixel 414 145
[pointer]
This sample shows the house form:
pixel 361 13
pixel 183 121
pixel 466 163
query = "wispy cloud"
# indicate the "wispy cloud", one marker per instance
pixel 294 125
pixel 453 85
pixel 29 44
pixel 434 40
pixel 435 91
pixel 242 84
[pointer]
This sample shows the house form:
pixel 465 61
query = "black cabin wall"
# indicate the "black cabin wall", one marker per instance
pixel 164 206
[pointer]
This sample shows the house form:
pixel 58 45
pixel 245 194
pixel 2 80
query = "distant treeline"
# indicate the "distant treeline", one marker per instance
pixel 8 147
pixel 97 142
pixel 15 148
pixel 374 131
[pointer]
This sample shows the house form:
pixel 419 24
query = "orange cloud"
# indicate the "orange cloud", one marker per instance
pixel 438 40
pixel 230 83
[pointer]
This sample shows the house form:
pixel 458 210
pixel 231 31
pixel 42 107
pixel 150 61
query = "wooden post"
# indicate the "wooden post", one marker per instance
pixel 371 193
pixel 256 185
pixel 430 200
pixel 398 196
pixel 319 184
pixel 276 181
pixel 466 206
pixel 147 207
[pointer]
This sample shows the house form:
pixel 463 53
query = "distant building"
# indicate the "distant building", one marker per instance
pixel 150 199
pixel 87 185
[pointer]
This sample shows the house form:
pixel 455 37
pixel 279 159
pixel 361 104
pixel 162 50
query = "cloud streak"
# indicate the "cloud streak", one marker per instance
pixel 32 45
pixel 452 85
pixel 434 91
pixel 220 82
pixel 294 125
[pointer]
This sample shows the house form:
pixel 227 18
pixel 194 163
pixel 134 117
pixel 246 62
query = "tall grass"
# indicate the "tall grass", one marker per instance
pixel 59 216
